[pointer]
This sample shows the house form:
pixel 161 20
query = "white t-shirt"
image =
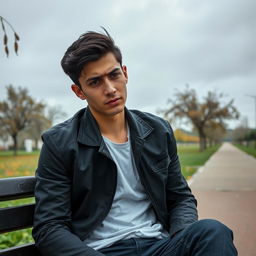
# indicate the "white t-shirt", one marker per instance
pixel 131 214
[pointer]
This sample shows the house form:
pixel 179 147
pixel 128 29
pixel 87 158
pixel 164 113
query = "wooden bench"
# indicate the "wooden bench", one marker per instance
pixel 17 217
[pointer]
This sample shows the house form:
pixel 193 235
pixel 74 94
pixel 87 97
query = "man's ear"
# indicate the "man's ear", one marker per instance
pixel 78 91
pixel 124 68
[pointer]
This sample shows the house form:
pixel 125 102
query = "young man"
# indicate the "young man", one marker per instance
pixel 109 179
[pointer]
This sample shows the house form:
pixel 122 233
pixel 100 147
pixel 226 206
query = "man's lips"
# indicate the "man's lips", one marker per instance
pixel 113 101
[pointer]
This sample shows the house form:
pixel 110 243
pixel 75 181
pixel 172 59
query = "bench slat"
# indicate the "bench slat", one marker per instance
pixel 18 217
pixel 18 187
pixel 28 249
pixel 14 218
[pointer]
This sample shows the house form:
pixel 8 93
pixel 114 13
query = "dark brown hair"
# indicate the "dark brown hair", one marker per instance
pixel 90 46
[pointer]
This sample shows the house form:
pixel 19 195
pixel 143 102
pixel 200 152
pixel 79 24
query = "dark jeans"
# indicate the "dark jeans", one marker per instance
pixel 202 238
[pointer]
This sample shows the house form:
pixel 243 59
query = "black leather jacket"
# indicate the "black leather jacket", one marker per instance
pixel 76 181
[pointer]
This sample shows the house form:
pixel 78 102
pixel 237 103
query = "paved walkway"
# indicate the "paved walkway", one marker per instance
pixel 226 190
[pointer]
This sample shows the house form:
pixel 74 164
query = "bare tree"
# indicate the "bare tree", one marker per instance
pixel 37 125
pixel 55 113
pixel 186 105
pixel 41 123
pixel 5 23
pixel 18 111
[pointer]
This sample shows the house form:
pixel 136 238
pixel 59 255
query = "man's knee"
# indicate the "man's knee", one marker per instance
pixel 209 237
pixel 213 227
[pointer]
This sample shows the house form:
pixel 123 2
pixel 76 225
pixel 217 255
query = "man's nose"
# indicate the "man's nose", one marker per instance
pixel 109 87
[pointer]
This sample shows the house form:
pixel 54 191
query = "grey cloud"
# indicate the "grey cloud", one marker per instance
pixel 165 44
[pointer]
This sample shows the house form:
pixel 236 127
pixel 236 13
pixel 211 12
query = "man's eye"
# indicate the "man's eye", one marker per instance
pixel 114 75
pixel 94 82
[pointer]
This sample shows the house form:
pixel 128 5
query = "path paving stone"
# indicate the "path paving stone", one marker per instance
pixel 226 190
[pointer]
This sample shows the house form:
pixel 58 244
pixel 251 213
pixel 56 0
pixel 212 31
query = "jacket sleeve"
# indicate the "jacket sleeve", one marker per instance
pixel 52 220
pixel 180 201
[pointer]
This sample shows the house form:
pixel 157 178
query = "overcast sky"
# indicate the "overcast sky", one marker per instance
pixel 165 44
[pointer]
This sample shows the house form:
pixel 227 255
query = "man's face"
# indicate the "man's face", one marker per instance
pixel 103 86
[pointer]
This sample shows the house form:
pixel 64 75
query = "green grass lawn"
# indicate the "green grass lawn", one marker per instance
pixel 24 164
pixel 20 165
pixel 19 153
pixel 191 159
pixel 251 150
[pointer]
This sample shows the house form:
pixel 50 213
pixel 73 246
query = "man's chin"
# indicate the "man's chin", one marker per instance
pixel 116 111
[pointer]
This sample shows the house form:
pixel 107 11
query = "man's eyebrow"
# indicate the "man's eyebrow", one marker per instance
pixel 114 70
pixel 98 77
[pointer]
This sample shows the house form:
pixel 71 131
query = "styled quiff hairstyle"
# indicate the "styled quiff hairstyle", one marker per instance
pixel 89 47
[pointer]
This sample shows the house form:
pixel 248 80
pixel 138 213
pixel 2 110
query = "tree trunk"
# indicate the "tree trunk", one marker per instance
pixel 36 144
pixel 15 144
pixel 202 140
pixel 202 143
pixel 205 142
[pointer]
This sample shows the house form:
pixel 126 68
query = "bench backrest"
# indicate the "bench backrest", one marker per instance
pixel 17 217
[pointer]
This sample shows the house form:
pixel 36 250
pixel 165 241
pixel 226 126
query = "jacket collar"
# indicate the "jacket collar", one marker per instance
pixel 138 127
pixel 89 133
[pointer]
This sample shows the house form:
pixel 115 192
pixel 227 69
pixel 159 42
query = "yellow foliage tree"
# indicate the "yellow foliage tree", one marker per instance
pixel 182 136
